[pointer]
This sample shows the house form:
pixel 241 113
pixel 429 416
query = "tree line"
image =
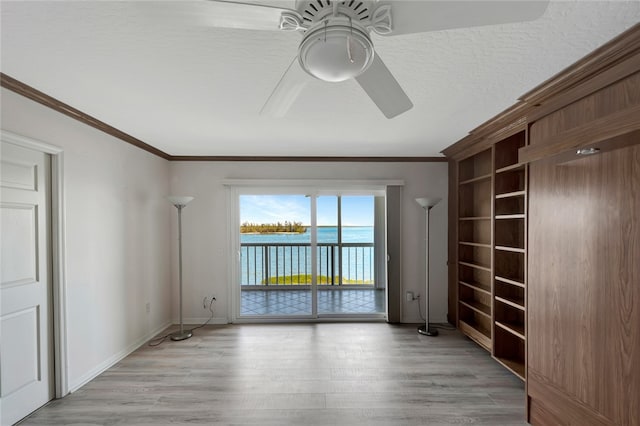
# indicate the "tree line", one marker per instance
pixel 272 228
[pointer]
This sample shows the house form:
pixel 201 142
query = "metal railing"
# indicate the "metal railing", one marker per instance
pixel 265 264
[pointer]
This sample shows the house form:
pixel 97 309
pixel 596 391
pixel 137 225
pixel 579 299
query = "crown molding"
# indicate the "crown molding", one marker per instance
pixel 29 92
pixel 312 159
pixel 613 61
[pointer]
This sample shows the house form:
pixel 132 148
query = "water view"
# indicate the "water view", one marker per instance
pixel 326 234
pixel 285 258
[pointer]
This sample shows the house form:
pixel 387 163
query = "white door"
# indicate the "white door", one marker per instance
pixel 25 294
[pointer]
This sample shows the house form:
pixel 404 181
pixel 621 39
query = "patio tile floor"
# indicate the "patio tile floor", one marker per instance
pixel 298 302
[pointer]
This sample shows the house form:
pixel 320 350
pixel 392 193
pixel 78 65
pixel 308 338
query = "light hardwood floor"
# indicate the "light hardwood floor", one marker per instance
pixel 299 374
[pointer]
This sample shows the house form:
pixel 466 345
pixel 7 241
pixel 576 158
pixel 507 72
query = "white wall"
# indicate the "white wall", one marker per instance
pixel 205 222
pixel 119 229
pixel 117 236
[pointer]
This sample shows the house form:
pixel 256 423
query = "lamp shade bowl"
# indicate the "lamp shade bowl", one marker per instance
pixel 179 200
pixel 428 202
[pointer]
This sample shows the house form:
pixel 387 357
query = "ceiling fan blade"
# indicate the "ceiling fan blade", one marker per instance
pixel 227 14
pixel 410 17
pixel 383 89
pixel 286 92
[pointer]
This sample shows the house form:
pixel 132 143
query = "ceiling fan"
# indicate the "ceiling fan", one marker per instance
pixel 336 43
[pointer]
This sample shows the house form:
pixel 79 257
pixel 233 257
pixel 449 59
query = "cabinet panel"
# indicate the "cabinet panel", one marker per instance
pixel 583 310
pixel 617 97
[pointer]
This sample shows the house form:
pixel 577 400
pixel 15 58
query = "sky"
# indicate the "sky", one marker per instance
pixel 356 210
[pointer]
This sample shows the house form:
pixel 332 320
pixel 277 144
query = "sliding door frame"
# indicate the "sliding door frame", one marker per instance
pixel 312 188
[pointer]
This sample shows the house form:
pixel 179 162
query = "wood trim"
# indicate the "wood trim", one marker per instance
pixel 29 92
pixel 467 147
pixel 604 57
pixel 609 63
pixel 505 124
pixel 607 127
pixel 508 131
pixel 559 404
pixel 579 91
pixel 539 415
pixel 311 159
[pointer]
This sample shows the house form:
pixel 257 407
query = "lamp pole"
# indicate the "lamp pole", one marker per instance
pixel 427 204
pixel 180 203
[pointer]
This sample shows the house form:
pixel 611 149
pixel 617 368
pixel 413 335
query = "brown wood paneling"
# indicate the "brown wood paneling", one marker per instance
pixel 615 73
pixel 539 415
pixel 583 292
pixel 549 405
pixel 619 98
pixel 612 128
pixel 615 98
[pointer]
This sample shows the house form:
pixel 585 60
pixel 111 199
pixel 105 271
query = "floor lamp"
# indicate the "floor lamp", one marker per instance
pixel 180 202
pixel 427 204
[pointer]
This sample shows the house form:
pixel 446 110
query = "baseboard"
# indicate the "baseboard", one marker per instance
pixel 114 359
pixel 551 405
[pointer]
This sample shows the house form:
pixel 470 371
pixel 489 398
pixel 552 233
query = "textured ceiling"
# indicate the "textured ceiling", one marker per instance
pixel 146 69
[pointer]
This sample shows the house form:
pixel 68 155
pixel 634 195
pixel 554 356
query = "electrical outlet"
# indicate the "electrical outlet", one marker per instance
pixel 207 301
pixel 148 307
pixel 409 296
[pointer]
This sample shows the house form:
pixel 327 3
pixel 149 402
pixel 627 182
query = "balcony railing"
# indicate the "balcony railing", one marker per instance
pixel 289 264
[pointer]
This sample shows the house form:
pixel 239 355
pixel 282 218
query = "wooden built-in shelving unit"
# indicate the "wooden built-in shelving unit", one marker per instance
pixel 542 243
pixel 510 254
pixel 491 252
pixel 475 242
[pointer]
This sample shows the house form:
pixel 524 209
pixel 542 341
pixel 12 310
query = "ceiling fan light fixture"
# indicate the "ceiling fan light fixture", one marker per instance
pixel 336 53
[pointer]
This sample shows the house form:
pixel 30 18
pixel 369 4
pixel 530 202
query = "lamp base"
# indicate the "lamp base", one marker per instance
pixel 427 331
pixel 181 336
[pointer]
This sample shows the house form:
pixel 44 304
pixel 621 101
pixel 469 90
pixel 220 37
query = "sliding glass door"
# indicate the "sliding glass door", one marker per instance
pixel 348 241
pixel 310 256
pixel 275 256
